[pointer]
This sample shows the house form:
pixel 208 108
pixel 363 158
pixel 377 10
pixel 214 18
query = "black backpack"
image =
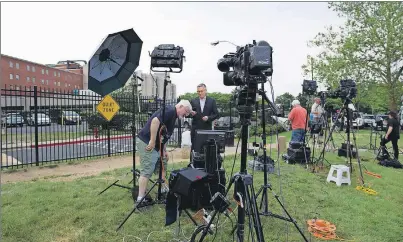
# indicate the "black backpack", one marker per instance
pixel 391 163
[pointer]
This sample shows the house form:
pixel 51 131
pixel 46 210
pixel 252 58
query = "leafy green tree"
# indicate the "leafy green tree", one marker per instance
pixel 285 99
pixel 368 49
pixel 304 100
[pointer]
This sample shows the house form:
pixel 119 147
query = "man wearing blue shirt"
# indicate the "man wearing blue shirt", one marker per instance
pixel 149 142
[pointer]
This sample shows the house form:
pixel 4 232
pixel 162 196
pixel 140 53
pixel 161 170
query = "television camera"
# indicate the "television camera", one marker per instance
pixel 247 64
pixel 247 67
pixel 346 89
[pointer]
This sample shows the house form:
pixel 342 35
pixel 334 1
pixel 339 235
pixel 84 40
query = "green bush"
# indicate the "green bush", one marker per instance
pixel 121 121
pixel 270 129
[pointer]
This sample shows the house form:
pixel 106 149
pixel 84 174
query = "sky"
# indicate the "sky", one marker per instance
pixel 50 32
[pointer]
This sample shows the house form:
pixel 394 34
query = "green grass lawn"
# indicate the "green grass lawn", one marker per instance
pixel 48 210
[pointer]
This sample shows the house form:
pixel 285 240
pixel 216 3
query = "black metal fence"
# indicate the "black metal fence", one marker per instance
pixel 41 126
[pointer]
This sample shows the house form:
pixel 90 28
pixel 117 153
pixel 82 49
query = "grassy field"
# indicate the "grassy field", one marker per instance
pixel 71 210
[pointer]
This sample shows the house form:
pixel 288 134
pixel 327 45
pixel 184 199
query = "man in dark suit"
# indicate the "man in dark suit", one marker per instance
pixel 204 111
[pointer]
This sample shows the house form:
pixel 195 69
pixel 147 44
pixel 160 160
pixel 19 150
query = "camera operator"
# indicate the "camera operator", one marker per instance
pixel 149 142
pixel 317 119
pixel 317 110
pixel 392 133
pixel 298 117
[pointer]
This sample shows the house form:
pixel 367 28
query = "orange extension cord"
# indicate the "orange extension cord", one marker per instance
pixel 323 230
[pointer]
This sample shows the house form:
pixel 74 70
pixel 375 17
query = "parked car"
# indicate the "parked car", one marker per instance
pixel 224 122
pixel 358 121
pixel 43 119
pixel 369 120
pixel 381 118
pixel 12 119
pixel 68 117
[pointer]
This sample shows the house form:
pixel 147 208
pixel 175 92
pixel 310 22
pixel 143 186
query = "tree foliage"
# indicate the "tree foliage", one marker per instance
pixel 221 98
pixel 285 100
pixel 367 49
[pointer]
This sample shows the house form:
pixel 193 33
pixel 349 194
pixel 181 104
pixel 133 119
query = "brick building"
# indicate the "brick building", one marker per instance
pixel 18 73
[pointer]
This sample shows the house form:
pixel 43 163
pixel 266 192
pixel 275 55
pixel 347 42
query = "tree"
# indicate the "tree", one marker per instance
pixel 304 100
pixel 368 49
pixel 285 100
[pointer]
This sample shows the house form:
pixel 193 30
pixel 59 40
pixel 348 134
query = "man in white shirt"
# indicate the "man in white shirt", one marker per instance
pixel 317 120
pixel 317 110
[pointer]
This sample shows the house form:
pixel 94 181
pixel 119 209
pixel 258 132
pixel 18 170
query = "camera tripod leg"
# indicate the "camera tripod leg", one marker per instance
pixel 126 218
pixel 247 205
pixel 321 158
pixel 264 202
pixel 358 158
pixel 289 219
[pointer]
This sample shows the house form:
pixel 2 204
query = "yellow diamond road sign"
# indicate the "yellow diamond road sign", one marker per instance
pixel 108 107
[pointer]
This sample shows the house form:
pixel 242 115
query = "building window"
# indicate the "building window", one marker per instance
pixel 28 69
pixel 33 79
pixel 33 69
pixel 11 77
pixel 54 83
pixel 47 82
pixel 17 88
pixel 11 87
pixel 54 73
pixel 47 72
pixel 11 64
pixel 43 81
pixel 17 65
pixel 28 89
pixel 17 77
pixel 43 71
pixel 65 84
pixel 28 79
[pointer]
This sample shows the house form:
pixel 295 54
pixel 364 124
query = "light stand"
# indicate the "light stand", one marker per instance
pixel 345 108
pixel 135 172
pixel 170 58
pixel 263 190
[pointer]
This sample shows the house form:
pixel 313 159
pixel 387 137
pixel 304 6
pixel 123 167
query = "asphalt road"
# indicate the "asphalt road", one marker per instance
pixel 53 128
pixel 68 151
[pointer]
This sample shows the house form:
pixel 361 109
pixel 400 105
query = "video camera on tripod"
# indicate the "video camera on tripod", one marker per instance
pixel 249 66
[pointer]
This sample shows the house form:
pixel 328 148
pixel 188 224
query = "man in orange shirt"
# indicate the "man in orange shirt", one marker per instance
pixel 298 117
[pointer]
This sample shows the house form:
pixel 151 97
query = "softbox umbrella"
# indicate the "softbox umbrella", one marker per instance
pixel 114 62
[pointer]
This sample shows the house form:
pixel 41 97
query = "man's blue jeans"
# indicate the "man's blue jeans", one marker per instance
pixel 297 135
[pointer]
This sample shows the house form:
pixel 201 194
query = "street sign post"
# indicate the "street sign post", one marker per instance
pixel 108 107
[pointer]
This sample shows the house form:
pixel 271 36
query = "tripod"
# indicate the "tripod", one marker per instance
pixel 372 144
pixel 160 180
pixel 135 172
pixel 321 157
pixel 263 189
pixel 345 109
